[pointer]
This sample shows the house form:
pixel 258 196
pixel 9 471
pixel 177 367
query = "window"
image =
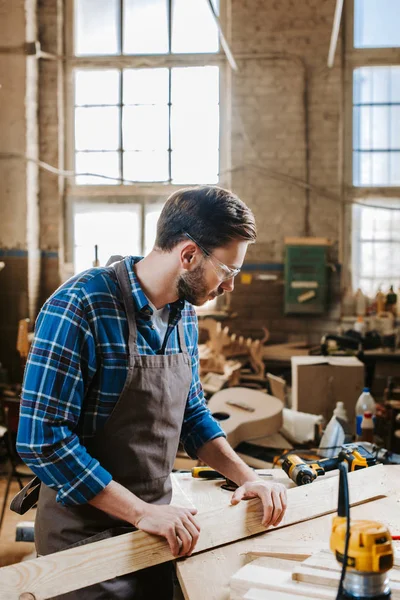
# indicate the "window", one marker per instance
pixel 376 126
pixel 112 228
pixel 376 241
pixel 373 67
pixel 147 124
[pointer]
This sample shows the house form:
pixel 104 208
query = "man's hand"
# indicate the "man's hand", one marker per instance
pixel 175 523
pixel 272 495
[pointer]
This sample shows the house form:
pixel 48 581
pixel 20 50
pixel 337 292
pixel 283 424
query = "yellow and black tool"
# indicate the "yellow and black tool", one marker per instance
pixel 302 472
pixel 363 548
pixel 209 473
pixel 206 473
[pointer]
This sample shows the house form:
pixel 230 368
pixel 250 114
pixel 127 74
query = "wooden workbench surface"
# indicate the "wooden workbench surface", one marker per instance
pixel 207 574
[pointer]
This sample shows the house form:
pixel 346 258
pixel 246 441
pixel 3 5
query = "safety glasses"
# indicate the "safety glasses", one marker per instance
pixel 227 272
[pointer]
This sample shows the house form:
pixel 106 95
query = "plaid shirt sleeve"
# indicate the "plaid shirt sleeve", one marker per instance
pixel 60 366
pixel 199 426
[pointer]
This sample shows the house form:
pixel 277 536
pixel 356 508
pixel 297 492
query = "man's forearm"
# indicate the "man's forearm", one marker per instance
pixel 219 455
pixel 119 502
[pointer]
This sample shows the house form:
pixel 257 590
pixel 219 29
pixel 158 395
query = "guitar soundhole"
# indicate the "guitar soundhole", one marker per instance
pixel 221 416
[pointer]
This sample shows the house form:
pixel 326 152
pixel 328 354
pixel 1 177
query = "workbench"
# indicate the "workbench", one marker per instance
pixel 374 494
pixel 207 574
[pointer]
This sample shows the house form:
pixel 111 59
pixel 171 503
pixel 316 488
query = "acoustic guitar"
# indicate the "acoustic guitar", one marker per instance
pixel 246 414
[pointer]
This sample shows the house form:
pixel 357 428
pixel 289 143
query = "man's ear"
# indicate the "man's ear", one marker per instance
pixel 188 256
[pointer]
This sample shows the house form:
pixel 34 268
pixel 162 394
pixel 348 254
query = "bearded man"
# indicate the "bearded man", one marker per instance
pixel 112 385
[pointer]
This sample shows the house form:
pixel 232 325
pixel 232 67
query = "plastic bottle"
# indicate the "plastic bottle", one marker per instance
pixel 398 304
pixel 367 427
pixel 333 438
pixel 380 302
pixel 391 300
pixel 348 303
pixel 340 411
pixel 365 403
pixel 361 303
pixel 360 325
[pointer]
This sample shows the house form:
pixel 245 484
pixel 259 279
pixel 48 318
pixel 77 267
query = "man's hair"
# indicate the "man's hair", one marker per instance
pixel 211 215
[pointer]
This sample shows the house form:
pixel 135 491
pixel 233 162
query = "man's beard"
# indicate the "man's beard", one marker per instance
pixel 191 287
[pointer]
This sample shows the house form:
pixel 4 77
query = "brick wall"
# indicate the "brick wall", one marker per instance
pixel 269 149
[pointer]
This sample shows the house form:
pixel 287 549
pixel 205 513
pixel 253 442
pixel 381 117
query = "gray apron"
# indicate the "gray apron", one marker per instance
pixel 138 447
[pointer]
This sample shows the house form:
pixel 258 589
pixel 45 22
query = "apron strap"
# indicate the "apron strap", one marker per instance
pixel 27 497
pixel 182 338
pixel 126 290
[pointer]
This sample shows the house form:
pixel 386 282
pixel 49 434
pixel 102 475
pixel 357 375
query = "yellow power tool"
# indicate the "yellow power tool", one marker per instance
pixel 302 471
pixel 363 548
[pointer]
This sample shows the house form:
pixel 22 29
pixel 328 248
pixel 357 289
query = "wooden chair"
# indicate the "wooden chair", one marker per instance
pixel 10 409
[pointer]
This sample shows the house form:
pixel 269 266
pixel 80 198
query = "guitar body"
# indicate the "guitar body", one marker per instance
pixel 246 414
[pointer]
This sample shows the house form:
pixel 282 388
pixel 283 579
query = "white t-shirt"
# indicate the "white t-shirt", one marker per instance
pixel 159 319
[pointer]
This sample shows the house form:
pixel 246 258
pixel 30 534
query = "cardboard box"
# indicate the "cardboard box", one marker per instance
pixel 318 382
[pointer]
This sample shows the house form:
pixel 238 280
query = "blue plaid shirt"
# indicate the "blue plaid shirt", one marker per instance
pixel 76 371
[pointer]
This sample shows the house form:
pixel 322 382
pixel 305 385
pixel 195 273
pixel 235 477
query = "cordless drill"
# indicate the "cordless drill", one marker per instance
pixel 302 472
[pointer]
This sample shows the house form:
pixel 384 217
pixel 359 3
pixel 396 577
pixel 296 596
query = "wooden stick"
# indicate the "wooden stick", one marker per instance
pixel 73 569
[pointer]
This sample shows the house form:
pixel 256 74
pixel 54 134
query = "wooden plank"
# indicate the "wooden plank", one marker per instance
pixel 214 568
pixel 299 551
pixel 258 575
pixel 331 578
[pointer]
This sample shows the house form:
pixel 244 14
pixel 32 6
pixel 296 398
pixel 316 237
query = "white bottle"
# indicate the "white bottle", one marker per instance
pixel 361 303
pixel 365 403
pixel 360 325
pixel 340 411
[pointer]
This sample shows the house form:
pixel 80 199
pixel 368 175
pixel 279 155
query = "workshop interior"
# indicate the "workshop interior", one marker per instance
pixel 107 107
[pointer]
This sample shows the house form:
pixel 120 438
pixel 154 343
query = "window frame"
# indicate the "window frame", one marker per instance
pixel 146 61
pixel 353 59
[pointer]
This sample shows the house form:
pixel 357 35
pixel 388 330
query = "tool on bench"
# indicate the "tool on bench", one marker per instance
pixel 363 548
pixel 209 473
pixel 302 472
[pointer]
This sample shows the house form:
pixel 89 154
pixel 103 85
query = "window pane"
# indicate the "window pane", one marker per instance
pixel 100 86
pixel 96 27
pixel 195 85
pixel 146 86
pixel 380 168
pixel 146 166
pixel 192 165
pixel 97 128
pixel 145 128
pixel 376 23
pixel 145 26
pixel 101 163
pixel 362 173
pixel 195 127
pixel 115 229
pixel 193 26
pixel 152 213
pixel 382 223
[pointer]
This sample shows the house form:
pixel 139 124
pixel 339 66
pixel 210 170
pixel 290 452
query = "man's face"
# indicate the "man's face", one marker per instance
pixel 208 278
